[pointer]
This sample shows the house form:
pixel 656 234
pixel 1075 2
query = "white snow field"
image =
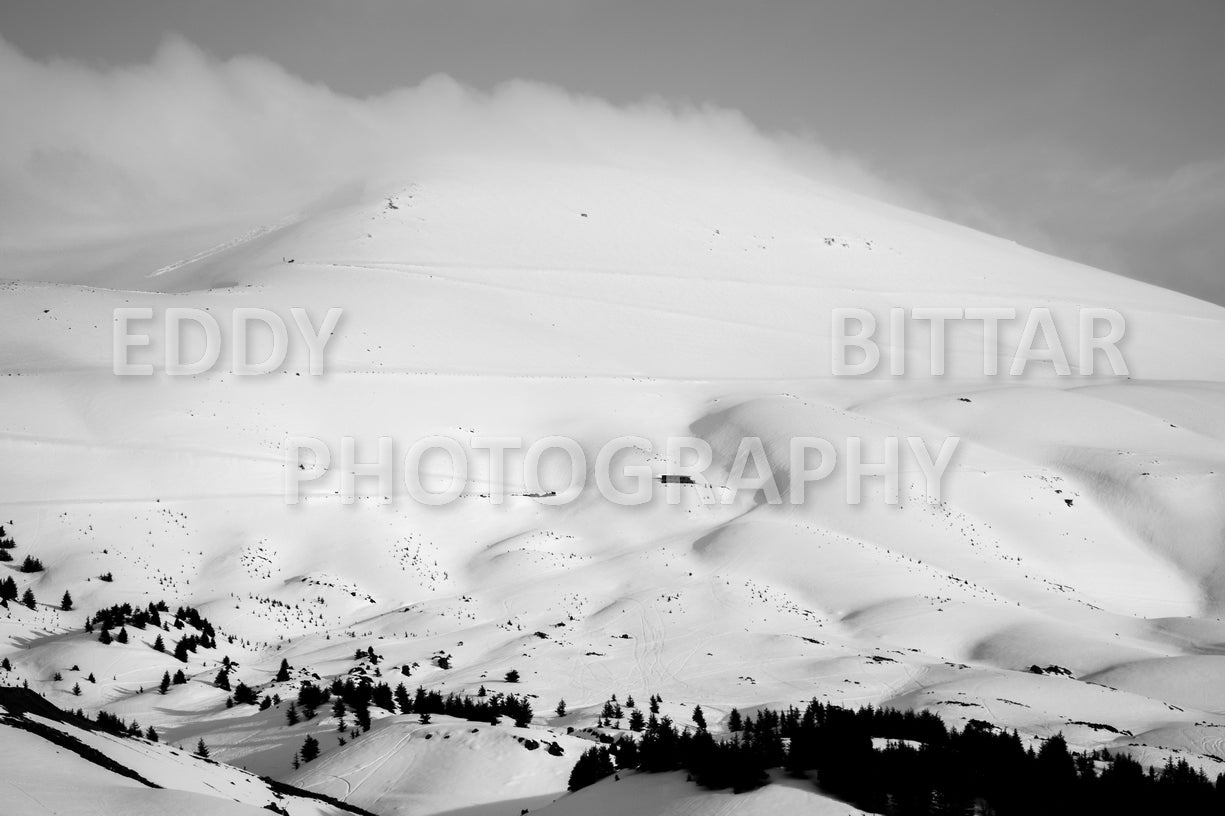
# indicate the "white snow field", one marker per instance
pixel 1080 526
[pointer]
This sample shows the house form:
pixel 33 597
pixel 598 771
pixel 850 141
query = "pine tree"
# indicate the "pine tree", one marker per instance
pixel 637 722
pixel 654 704
pixel 8 589
pixel 310 748
pixel 291 714
pixel 629 702
pixel 591 767
pixel 31 564
pixel 244 694
pixel 201 749
pixel 151 734
pixel 699 718
pixel 105 637
pixel 122 637
pixel 733 721
pixel 512 676
pixel 403 702
pixel 91 678
pixel 180 650
pixel 424 718
pixel 282 675
pixel 159 644
pixel 6 665
pixel 66 602
pixel 28 598
pixel 222 681
pixel 179 678
pixel 164 686
pixel 76 690
pixel 561 708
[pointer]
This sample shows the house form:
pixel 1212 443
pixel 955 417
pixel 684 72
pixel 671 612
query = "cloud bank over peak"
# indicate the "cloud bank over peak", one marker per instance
pixel 188 139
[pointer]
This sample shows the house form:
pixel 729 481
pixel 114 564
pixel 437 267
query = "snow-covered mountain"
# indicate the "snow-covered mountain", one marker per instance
pixel 1080 528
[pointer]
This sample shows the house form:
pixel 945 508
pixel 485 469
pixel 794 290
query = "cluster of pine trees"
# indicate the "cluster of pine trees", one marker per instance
pixel 358 697
pixel 120 615
pixel 124 615
pixel 924 767
pixel 484 707
pixel 8 587
pixel 112 724
pixel 10 592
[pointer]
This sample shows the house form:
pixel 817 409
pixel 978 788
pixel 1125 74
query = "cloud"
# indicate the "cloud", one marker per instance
pixel 189 139
pixel 1160 226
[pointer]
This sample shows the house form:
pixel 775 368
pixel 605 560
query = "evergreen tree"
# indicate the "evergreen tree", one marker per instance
pixel 310 748
pixel 561 708
pixel 159 644
pixel 512 676
pixel 76 690
pixel 699 718
pixel 31 564
pixel 105 637
pixel 222 681
pixel 291 714
pixel 6 665
pixel 403 703
pixel 282 675
pixel 244 694
pixel 591 767
pixel 201 749
pixel 28 598
pixel 180 650
pixel 733 721
pixel 179 678
pixel 122 637
pixel 66 602
pixel 424 719
pixel 151 735
pixel 8 589
pixel 654 704
pixel 629 702
pixel 164 686
pixel 381 696
pixel 637 721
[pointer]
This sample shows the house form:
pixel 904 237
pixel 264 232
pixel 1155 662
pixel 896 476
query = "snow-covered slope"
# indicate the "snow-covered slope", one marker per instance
pixel 55 766
pixel 1081 524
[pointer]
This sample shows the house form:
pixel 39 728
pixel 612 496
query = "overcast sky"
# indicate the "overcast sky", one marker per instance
pixel 1092 129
